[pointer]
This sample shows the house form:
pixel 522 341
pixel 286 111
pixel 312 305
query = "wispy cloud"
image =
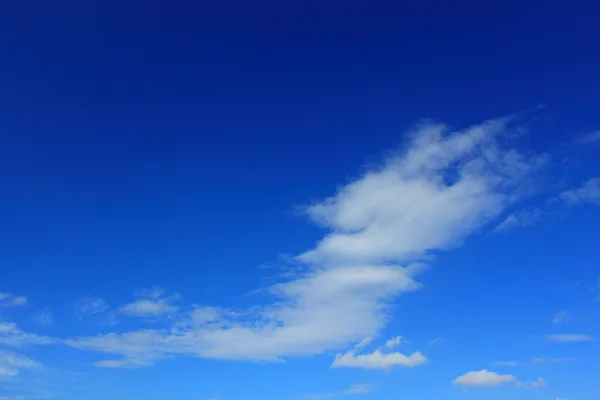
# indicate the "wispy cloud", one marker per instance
pixel 486 379
pixel 561 317
pixel 44 317
pixel 355 389
pixel 543 360
pixel 520 219
pixel 442 188
pixel 95 307
pixel 359 389
pixel 12 335
pixel 565 338
pixel 12 364
pixel 506 363
pixel 588 193
pixel 8 300
pixel 593 137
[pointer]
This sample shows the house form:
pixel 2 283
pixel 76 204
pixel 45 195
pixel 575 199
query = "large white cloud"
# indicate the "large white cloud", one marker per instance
pixel 442 188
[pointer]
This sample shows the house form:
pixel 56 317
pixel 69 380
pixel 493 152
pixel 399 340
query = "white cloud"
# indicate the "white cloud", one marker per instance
pixel 12 335
pixel 542 360
pixel 149 308
pixel 589 138
pixel 561 317
pixel 540 382
pixel 483 378
pixel 569 338
pixel 442 188
pixel 520 219
pixel 588 193
pixel 378 359
pixel 359 389
pixel 8 300
pixel 363 343
pixel 355 389
pixel 435 341
pixel 12 364
pixel 506 363
pixel 393 342
pixel 92 306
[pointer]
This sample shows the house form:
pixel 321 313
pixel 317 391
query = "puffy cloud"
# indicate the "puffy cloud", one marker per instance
pixel 393 342
pixel 11 364
pixel 588 193
pixel 564 338
pixel 378 359
pixel 443 187
pixel 149 308
pixel 483 378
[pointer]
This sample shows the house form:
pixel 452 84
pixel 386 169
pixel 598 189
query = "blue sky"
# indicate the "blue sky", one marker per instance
pixel 259 201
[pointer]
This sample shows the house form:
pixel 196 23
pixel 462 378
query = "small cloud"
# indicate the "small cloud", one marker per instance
pixel 378 359
pixel 483 378
pixel 520 219
pixel 435 341
pixel 149 307
pixel 92 306
pixel 564 338
pixel 393 342
pixel 542 360
pixel 12 335
pixel 593 137
pixel 12 364
pixel 97 308
pixel 561 317
pixel 506 364
pixel 588 193
pixel 154 292
pixel 540 382
pixel 359 389
pixel 8 300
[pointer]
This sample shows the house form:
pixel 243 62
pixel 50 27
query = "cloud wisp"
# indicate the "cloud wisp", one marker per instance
pixel 486 379
pixel 12 364
pixel 569 337
pixel 8 300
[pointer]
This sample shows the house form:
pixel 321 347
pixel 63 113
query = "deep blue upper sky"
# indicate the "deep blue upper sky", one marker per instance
pixel 149 143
